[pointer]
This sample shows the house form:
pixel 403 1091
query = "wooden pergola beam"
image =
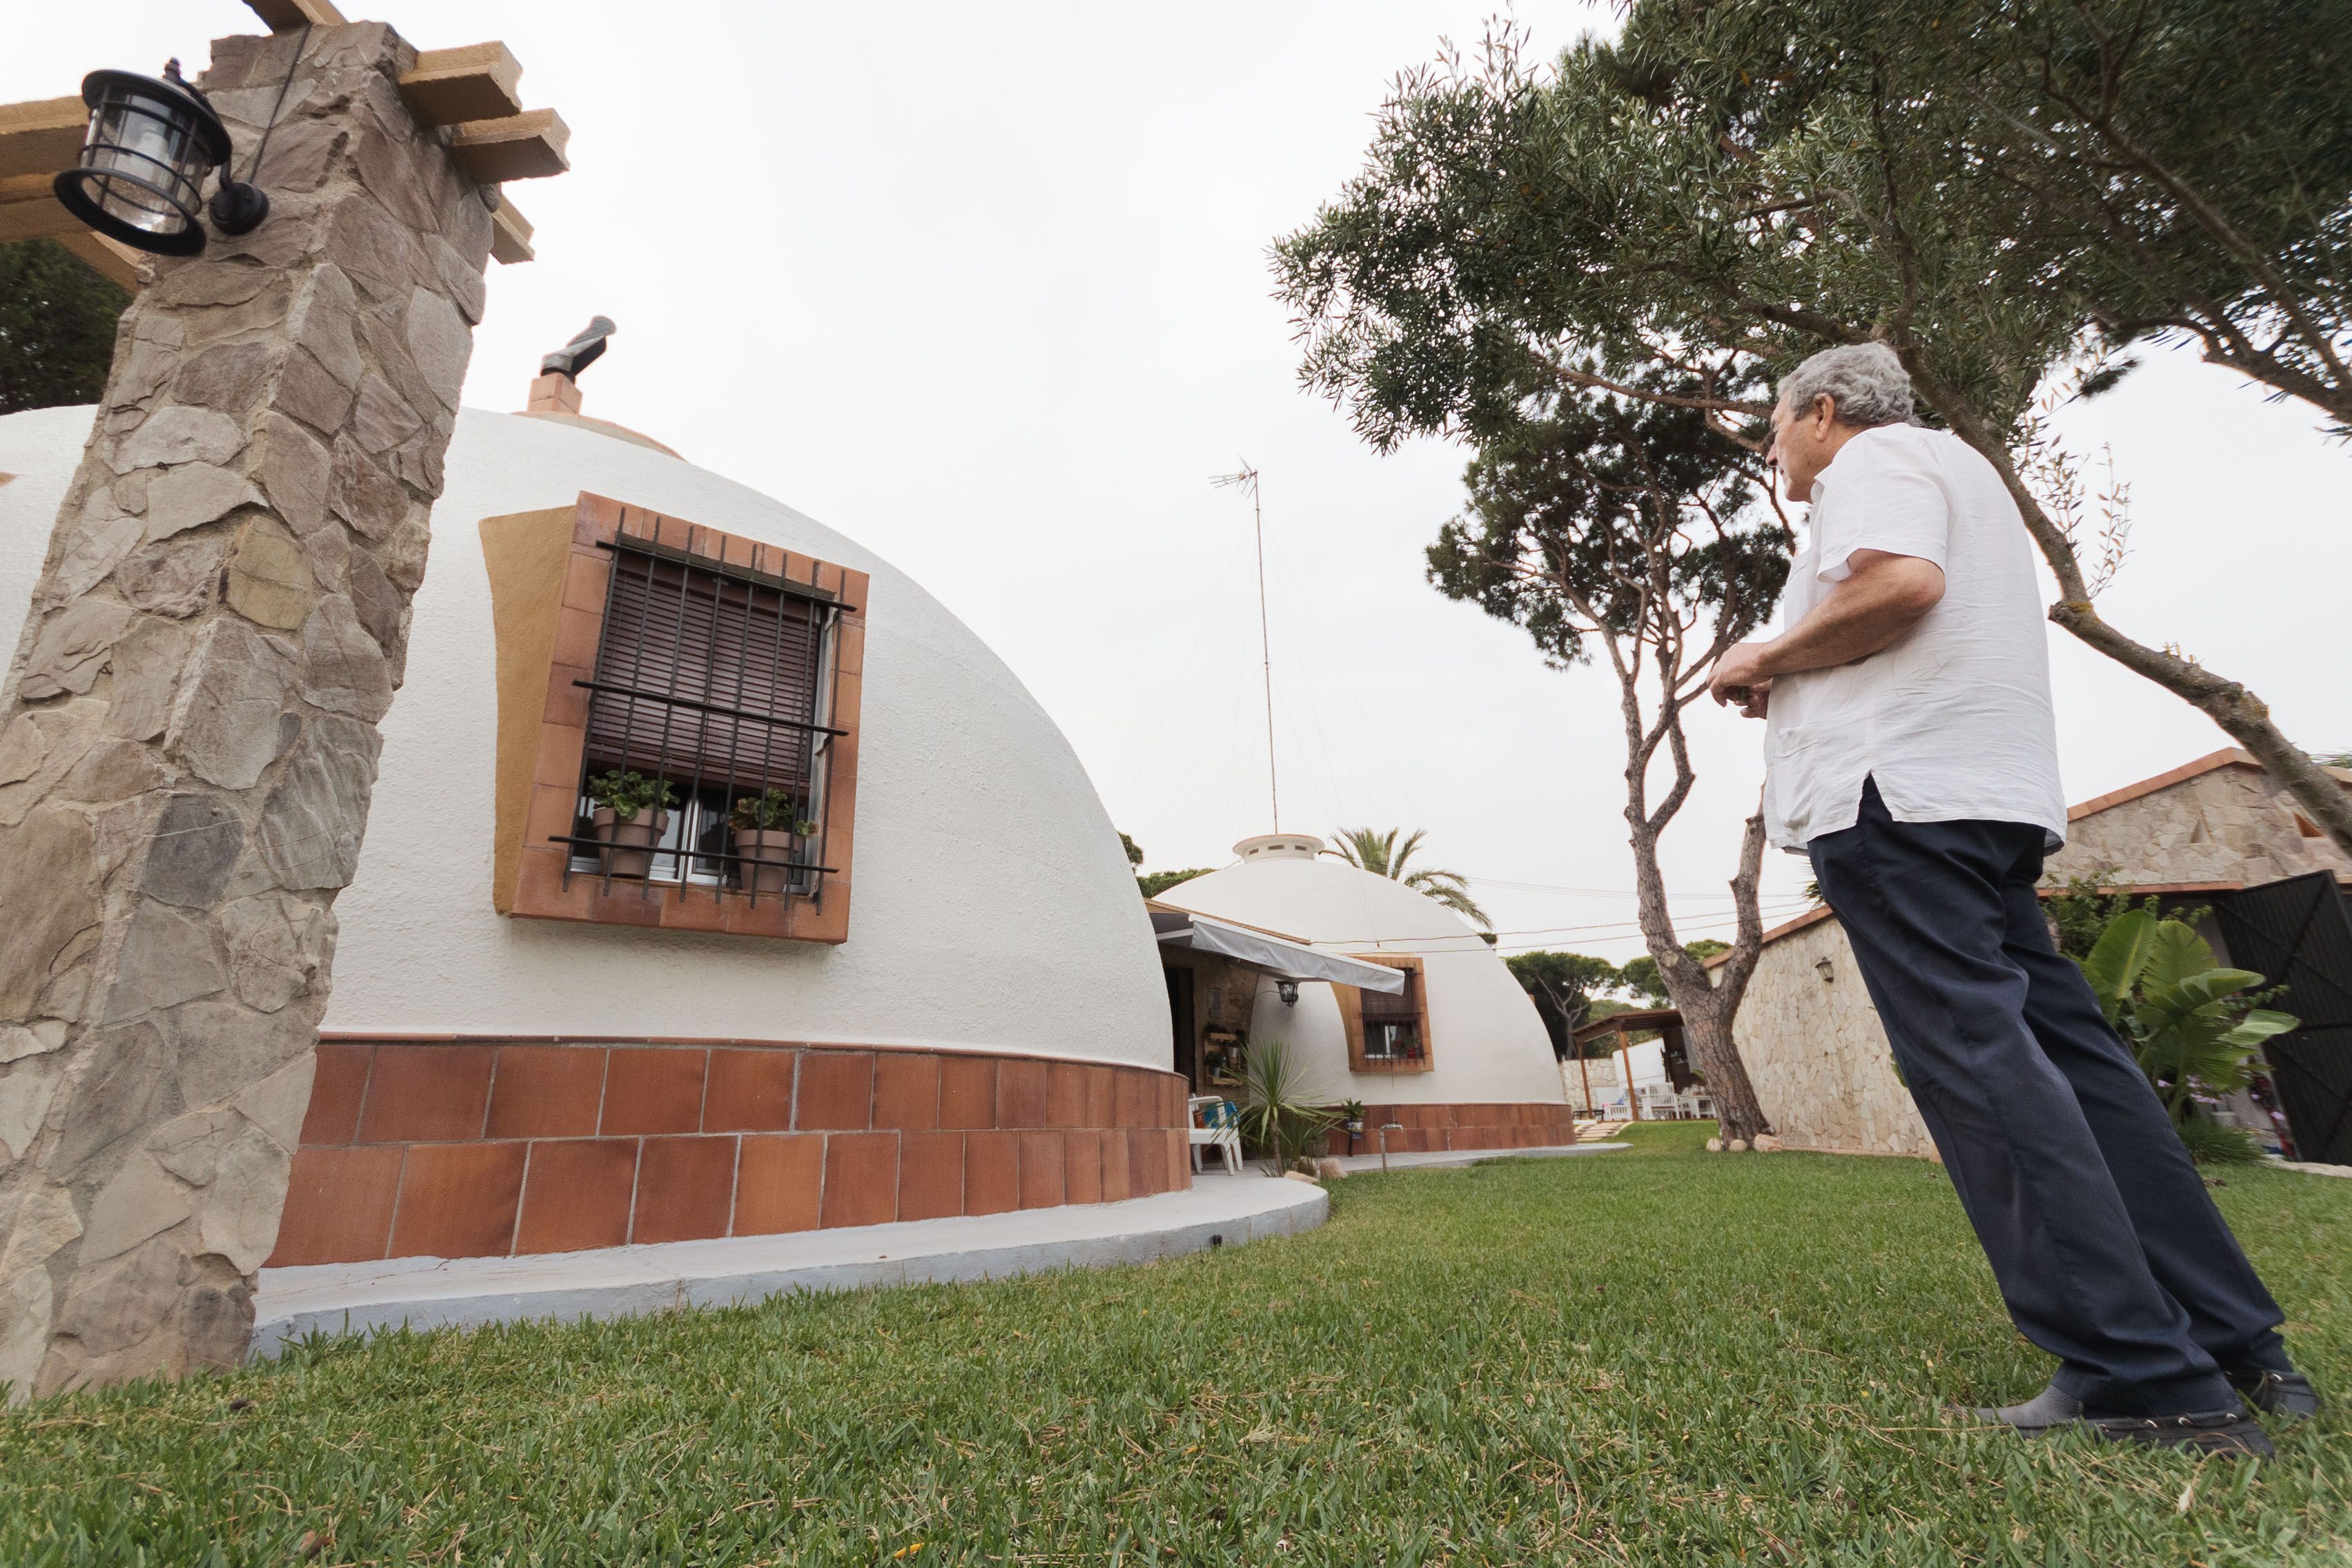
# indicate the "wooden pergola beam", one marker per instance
pixel 293 16
pixel 509 234
pixel 29 210
pixel 41 137
pixel 527 146
pixel 110 258
pixel 449 87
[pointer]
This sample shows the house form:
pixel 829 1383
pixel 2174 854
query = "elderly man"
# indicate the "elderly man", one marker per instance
pixel 1912 755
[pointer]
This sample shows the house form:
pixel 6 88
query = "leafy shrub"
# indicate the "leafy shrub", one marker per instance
pixel 2188 1021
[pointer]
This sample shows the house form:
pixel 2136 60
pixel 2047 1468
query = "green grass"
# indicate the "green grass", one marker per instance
pixel 1658 1356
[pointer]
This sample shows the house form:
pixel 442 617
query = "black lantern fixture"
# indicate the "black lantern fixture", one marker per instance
pixel 150 144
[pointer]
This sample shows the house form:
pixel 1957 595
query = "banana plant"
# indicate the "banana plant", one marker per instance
pixel 2183 1013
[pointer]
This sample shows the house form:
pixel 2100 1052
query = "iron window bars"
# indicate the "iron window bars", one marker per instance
pixel 1391 1023
pixel 718 681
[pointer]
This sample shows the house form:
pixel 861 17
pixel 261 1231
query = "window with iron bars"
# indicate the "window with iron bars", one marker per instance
pixel 708 738
pixel 1391 1023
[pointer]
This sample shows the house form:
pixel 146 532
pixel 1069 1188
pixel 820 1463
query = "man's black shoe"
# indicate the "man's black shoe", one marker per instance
pixel 2045 1411
pixel 2211 1432
pixel 2207 1432
pixel 2287 1394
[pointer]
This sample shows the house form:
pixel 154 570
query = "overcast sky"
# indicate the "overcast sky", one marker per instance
pixel 985 287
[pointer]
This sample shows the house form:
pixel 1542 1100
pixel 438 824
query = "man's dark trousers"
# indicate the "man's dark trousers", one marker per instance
pixel 2106 1246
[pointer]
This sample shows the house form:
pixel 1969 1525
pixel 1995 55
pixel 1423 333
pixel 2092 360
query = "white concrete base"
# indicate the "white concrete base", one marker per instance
pixel 621 1281
pixel 2311 1169
pixel 1401 1161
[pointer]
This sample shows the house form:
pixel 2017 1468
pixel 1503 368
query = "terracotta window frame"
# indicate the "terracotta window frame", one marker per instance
pixel 1351 1017
pixel 551 574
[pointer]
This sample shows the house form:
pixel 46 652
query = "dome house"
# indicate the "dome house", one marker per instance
pixel 1459 1059
pixel 718 881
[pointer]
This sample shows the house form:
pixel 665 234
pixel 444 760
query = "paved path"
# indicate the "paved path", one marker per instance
pixel 621 1281
pixel 2309 1169
pixel 1401 1161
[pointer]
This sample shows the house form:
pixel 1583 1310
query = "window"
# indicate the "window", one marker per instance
pixel 708 708
pixel 1392 1024
pixel 677 729
pixel 1388 1031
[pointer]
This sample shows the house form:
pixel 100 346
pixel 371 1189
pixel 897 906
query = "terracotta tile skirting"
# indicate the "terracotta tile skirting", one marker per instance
pixel 491 1147
pixel 1433 1128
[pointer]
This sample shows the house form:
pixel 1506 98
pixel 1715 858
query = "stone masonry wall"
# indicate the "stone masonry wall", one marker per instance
pixel 2233 823
pixel 1814 1048
pixel 1817 1055
pixel 188 731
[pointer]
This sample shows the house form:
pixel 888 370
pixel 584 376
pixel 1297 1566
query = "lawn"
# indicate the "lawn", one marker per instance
pixel 1660 1356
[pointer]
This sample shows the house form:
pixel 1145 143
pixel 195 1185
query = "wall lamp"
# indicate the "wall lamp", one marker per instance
pixel 1288 990
pixel 151 142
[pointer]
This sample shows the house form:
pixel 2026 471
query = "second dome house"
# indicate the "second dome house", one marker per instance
pixel 1456 1057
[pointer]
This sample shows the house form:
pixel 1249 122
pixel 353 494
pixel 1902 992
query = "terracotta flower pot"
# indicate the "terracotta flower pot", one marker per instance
pixel 771 852
pixel 631 841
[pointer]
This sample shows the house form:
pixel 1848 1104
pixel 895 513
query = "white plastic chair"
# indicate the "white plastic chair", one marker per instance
pixel 1217 1125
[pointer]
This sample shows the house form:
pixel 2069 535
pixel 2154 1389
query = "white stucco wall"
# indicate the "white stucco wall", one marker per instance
pixel 994 905
pixel 1487 1042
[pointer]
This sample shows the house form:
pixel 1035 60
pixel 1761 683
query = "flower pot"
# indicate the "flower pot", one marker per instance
pixel 633 841
pixel 770 852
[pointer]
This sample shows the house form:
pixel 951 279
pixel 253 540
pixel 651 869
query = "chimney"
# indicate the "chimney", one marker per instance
pixel 554 393
pixel 557 390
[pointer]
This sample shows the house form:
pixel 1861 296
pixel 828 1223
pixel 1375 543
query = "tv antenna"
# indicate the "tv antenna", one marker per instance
pixel 1246 480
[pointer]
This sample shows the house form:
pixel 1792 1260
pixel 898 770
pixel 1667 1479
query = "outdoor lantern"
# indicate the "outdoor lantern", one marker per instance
pixel 1288 990
pixel 152 142
pixel 1825 969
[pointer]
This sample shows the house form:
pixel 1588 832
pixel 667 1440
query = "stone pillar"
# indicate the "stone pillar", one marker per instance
pixel 188 729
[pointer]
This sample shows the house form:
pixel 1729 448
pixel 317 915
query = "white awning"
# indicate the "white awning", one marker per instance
pixel 1278 956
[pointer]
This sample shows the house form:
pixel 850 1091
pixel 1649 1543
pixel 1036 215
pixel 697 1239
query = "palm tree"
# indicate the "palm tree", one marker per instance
pixel 1381 854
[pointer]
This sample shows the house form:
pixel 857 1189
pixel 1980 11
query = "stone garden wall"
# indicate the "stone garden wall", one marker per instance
pixel 1816 1054
pixel 1812 1042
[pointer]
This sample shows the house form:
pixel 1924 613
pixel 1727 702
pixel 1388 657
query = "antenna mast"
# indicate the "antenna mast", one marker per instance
pixel 1246 479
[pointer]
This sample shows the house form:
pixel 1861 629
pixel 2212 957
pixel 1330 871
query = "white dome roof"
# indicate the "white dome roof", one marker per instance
pixel 1327 901
pixel 1486 1041
pixel 993 908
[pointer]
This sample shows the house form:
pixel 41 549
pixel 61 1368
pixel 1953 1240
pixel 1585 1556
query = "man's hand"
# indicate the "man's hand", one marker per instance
pixel 1741 678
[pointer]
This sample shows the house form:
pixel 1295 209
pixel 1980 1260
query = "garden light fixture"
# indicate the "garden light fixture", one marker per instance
pixel 1288 990
pixel 151 142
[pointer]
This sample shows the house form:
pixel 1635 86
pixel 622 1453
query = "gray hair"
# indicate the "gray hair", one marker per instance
pixel 1865 382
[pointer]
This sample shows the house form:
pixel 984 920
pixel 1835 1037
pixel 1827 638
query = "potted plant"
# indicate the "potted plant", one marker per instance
pixel 1351 1116
pixel 769 830
pixel 631 815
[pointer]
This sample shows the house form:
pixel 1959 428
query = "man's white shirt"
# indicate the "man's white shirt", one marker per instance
pixel 1954 719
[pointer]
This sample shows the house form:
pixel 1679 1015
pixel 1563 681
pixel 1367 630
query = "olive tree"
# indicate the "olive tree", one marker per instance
pixel 1727 188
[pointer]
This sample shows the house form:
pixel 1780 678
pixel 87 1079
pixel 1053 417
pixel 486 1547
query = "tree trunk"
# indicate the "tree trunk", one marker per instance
pixel 1709 1002
pixel 1708 1030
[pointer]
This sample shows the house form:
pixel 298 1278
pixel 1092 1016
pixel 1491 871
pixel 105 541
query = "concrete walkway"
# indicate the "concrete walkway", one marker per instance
pixel 1404 1162
pixel 2309 1169
pixel 467 1292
